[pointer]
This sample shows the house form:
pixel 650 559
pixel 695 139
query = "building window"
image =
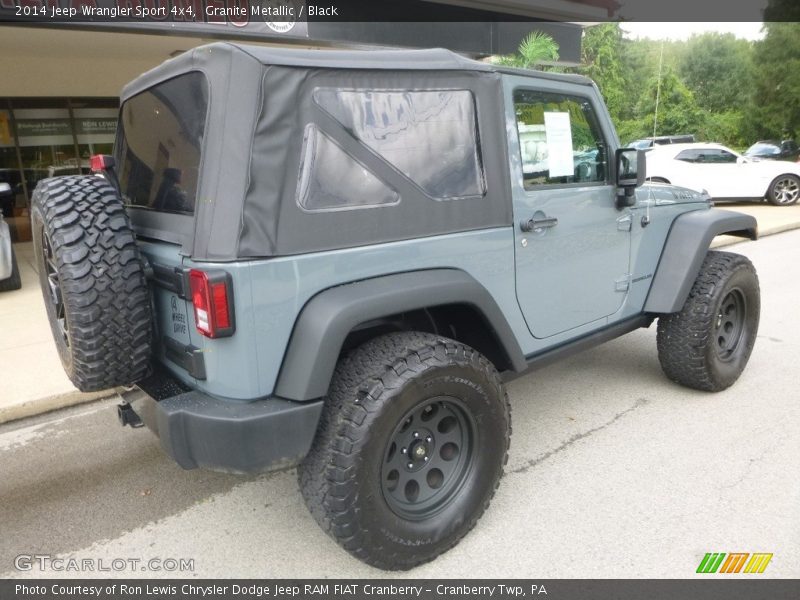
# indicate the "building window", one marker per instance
pixel 47 137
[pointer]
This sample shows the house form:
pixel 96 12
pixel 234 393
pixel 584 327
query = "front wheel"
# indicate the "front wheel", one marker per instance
pixel 411 448
pixel 784 190
pixel 708 343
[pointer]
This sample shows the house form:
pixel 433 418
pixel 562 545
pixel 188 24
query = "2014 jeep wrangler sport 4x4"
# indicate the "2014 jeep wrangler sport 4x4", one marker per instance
pixel 332 260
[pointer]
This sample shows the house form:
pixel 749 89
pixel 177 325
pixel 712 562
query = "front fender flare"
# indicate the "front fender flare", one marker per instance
pixel 687 244
pixel 327 319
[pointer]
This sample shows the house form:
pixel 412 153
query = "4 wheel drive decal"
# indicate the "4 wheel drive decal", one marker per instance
pixel 716 562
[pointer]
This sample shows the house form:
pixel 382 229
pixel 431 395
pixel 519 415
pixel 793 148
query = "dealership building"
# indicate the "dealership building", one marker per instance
pixel 60 81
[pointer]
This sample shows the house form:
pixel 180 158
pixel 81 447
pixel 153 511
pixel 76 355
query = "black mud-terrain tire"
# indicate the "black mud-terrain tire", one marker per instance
pixel 373 396
pixel 708 343
pixel 99 306
pixel 784 190
pixel 14 281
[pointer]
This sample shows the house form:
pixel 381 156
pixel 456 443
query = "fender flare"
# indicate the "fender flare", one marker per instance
pixel 327 319
pixel 687 243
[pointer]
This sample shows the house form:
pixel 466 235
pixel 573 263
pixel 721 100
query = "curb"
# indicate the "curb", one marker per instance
pixel 728 240
pixel 40 406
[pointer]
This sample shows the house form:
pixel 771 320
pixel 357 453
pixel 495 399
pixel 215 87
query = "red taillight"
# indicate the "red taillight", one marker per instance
pixel 101 162
pixel 213 306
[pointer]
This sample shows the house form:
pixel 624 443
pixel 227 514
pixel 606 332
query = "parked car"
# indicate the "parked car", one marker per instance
pixel 774 150
pixel 371 248
pixel 9 269
pixel 725 174
pixel 660 140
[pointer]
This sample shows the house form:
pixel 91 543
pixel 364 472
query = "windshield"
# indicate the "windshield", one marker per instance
pixel 641 144
pixel 159 144
pixel 762 149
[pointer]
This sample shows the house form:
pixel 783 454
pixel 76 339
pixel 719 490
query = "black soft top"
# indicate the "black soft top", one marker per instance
pixel 260 107
pixel 433 59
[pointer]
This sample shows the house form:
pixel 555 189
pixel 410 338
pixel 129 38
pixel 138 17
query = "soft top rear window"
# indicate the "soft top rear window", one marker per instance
pixel 159 144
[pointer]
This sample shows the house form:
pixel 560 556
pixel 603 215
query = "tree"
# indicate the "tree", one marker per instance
pixel 535 49
pixel 776 99
pixel 677 109
pixel 601 61
pixel 717 69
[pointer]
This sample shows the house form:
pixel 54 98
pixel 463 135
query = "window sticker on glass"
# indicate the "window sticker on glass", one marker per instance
pixel 559 144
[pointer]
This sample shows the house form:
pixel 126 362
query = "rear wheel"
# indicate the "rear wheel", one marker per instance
pixel 411 448
pixel 708 343
pixel 784 190
pixel 93 282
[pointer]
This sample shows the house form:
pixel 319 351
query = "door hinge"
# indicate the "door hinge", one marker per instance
pixel 624 222
pixel 623 283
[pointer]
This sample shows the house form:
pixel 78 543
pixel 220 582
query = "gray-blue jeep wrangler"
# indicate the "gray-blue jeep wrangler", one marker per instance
pixel 334 259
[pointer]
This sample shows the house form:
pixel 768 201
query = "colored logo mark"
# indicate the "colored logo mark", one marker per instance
pixel 734 562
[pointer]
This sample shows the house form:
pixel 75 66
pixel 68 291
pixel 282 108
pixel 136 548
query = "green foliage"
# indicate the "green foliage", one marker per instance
pixel 535 49
pixel 715 86
pixel 776 97
pixel 718 69
pixel 601 51
pixel 677 109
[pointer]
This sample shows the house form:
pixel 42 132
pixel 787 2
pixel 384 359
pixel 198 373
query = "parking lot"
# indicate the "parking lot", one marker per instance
pixel 614 472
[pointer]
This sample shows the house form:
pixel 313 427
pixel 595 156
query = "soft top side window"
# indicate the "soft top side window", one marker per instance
pixel 431 137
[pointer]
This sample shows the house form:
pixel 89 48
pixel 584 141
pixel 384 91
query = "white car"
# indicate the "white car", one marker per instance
pixel 9 270
pixel 724 174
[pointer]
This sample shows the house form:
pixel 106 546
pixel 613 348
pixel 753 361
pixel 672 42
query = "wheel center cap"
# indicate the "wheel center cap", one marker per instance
pixel 420 451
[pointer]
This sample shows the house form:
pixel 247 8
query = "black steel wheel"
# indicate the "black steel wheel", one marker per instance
pixel 53 297
pixel 707 344
pixel 410 449
pixel 428 457
pixel 730 324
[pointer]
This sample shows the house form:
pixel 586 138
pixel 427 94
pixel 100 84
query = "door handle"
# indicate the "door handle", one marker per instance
pixel 538 223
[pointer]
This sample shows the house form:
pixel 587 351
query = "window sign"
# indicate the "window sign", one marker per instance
pixel 44 127
pixel 95 125
pixel 559 144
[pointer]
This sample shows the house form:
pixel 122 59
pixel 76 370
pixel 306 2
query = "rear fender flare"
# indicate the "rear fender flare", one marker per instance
pixel 326 320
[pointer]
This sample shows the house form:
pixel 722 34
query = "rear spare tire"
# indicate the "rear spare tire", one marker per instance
pixel 93 282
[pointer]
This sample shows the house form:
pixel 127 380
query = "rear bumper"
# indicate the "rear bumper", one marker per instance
pixel 198 430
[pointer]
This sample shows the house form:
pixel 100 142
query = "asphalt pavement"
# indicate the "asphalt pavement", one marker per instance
pixel 614 472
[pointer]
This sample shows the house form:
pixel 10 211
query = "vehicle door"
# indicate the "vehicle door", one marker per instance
pixel 572 243
pixel 722 175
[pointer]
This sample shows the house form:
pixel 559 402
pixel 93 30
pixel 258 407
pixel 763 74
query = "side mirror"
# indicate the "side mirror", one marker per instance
pixel 631 169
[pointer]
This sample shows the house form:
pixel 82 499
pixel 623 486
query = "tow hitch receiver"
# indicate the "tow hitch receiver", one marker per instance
pixel 128 416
